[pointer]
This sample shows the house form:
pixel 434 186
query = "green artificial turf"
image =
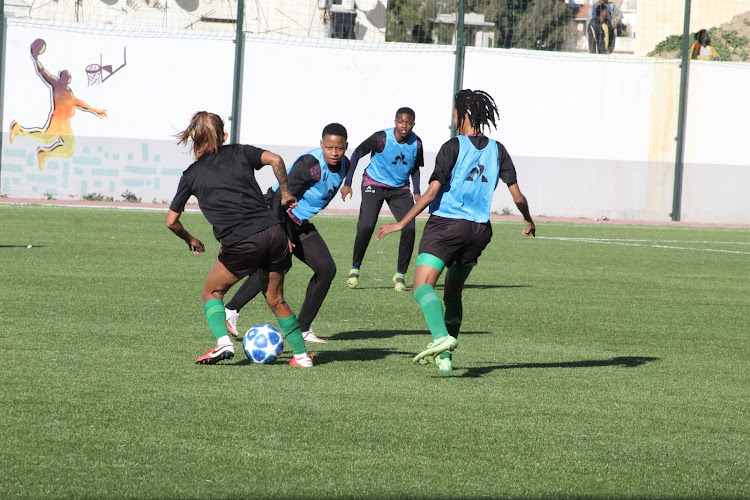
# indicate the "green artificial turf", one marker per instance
pixel 595 361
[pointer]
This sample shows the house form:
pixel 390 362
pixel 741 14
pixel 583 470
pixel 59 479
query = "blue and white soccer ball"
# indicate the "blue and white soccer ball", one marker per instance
pixel 263 344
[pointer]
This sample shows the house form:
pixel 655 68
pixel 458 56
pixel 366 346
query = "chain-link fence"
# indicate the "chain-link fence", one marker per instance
pixel 638 27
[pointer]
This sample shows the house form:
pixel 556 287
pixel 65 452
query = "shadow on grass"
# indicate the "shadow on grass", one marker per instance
pixel 440 286
pixel 386 334
pixel 624 361
pixel 321 358
pixel 365 354
pixel 21 246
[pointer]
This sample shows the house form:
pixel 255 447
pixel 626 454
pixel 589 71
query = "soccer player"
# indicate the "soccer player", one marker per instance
pixel 395 154
pixel 222 178
pixel 314 179
pixel 467 171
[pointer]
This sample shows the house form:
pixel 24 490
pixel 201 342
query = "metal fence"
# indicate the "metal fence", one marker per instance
pixel 640 27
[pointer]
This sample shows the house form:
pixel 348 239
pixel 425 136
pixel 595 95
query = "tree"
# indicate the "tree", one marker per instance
pixel 526 24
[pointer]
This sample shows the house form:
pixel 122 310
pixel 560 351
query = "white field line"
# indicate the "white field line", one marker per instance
pixel 645 243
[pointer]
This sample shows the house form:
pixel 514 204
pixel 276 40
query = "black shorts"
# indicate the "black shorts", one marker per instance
pixel 267 250
pixel 457 242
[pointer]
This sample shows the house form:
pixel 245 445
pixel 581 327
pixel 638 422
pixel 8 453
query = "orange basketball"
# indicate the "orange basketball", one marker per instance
pixel 38 46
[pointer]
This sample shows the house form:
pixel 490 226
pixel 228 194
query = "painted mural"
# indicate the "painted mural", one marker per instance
pixel 56 135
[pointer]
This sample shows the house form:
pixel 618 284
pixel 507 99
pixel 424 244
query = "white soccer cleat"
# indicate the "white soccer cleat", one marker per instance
pixel 309 336
pixel 232 317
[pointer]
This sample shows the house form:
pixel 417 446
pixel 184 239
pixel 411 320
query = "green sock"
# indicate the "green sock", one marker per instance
pixel 216 318
pixel 454 314
pixel 293 333
pixel 432 309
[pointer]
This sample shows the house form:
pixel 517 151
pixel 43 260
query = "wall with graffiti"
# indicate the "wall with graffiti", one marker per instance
pixel 97 111
pixel 87 114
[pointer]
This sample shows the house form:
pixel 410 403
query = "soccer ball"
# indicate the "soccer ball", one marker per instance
pixel 263 344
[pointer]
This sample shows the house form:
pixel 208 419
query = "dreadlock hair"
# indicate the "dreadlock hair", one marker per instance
pixel 479 105
pixel 334 129
pixel 204 134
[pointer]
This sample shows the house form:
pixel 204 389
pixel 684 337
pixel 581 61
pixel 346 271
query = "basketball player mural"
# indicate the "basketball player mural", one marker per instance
pixel 57 134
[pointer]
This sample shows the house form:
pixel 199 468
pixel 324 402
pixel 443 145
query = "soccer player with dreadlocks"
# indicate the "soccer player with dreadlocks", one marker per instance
pixel 467 171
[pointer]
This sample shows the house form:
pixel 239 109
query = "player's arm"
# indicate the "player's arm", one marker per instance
pixel 174 224
pixel 43 72
pixel 415 175
pixel 508 176
pixel 368 146
pixel 102 113
pixel 288 201
pixel 418 208
pixel 523 206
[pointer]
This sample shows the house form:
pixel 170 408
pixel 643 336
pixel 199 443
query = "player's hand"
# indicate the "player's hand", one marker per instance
pixel 530 229
pixel 291 245
pixel 346 190
pixel 417 197
pixel 102 113
pixel 196 246
pixel 387 229
pixel 288 201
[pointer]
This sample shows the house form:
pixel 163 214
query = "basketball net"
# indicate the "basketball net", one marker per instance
pixel 94 74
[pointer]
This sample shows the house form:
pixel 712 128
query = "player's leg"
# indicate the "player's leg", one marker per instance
pixel 63 147
pixel 400 202
pixel 34 133
pixel 313 251
pixel 369 209
pixel 219 280
pixel 246 292
pixel 426 273
pixel 272 283
pixel 455 278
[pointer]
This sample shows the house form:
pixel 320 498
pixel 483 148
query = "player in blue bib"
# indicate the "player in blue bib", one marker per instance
pixel 468 168
pixel 314 178
pixel 395 155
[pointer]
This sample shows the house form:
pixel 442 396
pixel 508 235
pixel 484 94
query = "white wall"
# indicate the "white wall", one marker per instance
pixel 589 135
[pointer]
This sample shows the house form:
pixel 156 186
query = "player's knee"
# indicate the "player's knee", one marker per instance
pixel 366 227
pixel 328 272
pixel 274 300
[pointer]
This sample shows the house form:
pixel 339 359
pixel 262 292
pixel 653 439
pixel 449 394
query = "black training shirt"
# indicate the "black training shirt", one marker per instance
pixel 448 156
pixel 227 192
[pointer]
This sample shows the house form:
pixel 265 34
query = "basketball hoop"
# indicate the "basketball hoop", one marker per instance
pixel 94 74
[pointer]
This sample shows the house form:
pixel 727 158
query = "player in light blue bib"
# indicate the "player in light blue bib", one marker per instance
pixel 314 178
pixel 395 155
pixel 468 168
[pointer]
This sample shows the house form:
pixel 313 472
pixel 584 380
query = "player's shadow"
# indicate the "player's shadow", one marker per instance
pixel 385 334
pixel 364 354
pixel 321 358
pixel 440 286
pixel 624 361
pixel 489 287
pixel 21 246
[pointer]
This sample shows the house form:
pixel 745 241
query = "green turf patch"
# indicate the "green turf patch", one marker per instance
pixel 595 361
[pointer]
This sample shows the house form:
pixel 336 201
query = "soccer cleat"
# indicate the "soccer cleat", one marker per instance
pixel 219 353
pixel 353 280
pixel 437 347
pixel 232 317
pixel 309 336
pixel 399 283
pixel 444 364
pixel 304 361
